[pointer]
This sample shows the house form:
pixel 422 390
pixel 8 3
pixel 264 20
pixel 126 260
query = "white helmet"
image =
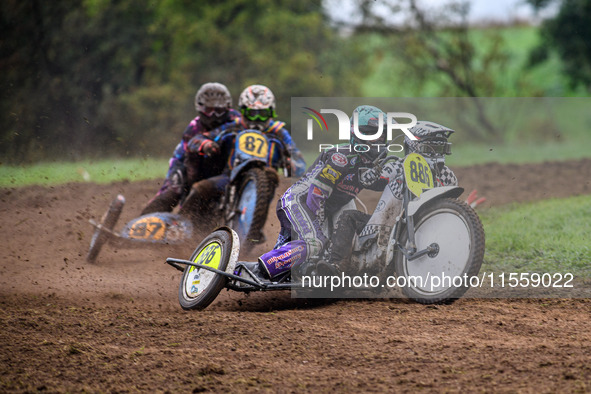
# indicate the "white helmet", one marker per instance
pixel 213 98
pixel 257 105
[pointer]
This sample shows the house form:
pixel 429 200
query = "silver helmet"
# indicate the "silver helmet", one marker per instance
pixel 213 98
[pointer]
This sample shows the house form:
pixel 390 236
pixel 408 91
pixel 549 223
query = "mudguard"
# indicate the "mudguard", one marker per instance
pixel 245 165
pixel 438 192
pixel 235 249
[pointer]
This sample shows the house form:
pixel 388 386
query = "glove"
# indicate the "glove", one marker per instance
pixel 209 148
pixel 369 177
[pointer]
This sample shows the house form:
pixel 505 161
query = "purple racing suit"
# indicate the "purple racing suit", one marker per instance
pixel 331 182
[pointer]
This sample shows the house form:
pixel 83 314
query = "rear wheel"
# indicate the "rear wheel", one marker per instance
pixel 199 287
pixel 443 275
pixel 252 206
pixel 107 223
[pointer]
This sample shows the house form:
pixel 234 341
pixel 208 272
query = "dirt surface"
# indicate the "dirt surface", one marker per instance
pixel 116 326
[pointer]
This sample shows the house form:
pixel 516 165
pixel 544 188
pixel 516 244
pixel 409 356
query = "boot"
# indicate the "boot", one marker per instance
pixel 252 266
pixel 327 268
pixel 164 202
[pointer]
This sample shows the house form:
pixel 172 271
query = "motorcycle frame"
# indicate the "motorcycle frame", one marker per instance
pixel 253 285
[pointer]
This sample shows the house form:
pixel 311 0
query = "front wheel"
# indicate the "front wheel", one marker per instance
pixel 255 192
pixel 443 275
pixel 107 223
pixel 199 287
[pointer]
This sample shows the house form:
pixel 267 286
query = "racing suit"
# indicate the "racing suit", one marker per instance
pixel 206 192
pixel 331 182
pixel 351 222
pixel 189 165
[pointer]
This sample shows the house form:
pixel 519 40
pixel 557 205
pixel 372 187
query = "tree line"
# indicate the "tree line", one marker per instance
pixel 96 78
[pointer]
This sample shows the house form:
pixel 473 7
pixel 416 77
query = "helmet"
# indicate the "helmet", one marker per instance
pixel 431 144
pixel 369 119
pixel 257 105
pixel 212 101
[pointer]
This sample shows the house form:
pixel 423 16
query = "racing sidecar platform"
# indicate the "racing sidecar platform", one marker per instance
pixel 158 228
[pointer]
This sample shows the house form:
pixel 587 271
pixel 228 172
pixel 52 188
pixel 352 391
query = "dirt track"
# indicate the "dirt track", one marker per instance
pixel 66 325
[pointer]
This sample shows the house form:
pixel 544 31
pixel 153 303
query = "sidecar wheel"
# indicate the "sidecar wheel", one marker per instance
pixel 108 222
pixel 199 286
pixel 456 229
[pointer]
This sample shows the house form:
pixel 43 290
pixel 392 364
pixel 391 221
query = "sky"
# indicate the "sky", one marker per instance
pixel 504 10
pixel 480 10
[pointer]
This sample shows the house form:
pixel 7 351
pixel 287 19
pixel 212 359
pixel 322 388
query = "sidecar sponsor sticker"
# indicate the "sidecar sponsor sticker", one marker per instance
pixel 339 159
pixel 417 174
pixel 192 283
pixel 150 228
pixel 254 144
pixel 330 174
pixel 381 206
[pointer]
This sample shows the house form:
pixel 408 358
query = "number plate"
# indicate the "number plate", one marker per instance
pixel 417 174
pixel 210 255
pixel 254 144
pixel 150 228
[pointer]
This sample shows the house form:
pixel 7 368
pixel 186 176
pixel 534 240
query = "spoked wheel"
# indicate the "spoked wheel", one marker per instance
pixel 443 275
pixel 107 223
pixel 252 205
pixel 199 286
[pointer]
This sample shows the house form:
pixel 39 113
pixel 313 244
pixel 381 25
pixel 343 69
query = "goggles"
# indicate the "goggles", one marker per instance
pixel 257 114
pixel 434 148
pixel 217 111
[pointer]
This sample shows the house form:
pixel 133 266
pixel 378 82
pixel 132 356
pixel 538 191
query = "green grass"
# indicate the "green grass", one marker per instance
pixel 550 236
pixel 103 171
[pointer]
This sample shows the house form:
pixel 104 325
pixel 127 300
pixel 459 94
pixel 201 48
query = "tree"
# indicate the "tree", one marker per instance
pixel 569 34
pixel 437 45
pixel 117 77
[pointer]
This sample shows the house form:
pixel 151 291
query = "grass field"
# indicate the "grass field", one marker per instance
pixel 545 236
pixel 103 171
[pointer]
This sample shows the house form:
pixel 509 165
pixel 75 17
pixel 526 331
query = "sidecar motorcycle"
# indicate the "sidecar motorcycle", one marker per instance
pixel 434 233
pixel 244 206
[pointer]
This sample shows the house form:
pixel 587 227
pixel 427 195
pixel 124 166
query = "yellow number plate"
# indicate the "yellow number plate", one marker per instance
pixel 148 228
pixel 417 174
pixel 254 144
pixel 210 255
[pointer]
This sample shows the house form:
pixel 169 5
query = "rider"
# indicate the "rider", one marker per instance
pixel 433 146
pixel 257 106
pixel 331 182
pixel 198 157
